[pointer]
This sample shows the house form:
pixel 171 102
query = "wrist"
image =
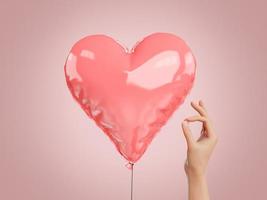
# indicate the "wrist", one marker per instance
pixel 195 173
pixel 197 184
pixel 196 176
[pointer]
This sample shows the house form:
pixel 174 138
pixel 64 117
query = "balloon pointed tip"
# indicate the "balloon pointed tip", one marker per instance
pixel 129 165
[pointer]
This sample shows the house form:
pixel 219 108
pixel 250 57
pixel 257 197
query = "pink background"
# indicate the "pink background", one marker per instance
pixel 49 150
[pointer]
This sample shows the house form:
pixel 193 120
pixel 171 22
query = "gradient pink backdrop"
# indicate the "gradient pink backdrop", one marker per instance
pixel 49 150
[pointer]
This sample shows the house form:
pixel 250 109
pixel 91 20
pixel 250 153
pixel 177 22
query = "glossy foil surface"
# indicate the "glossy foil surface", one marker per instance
pixel 130 94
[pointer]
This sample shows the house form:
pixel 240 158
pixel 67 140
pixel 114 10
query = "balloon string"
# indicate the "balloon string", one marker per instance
pixel 132 174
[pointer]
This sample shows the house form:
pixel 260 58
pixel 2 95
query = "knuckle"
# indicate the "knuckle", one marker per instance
pixel 192 147
pixel 205 120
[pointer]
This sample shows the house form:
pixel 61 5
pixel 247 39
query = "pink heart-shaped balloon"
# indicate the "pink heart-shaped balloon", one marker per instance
pixel 130 95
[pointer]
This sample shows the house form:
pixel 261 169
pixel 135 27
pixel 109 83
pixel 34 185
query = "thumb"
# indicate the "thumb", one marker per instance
pixel 187 133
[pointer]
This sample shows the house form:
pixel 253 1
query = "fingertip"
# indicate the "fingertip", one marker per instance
pixel 184 126
pixel 185 122
pixel 193 103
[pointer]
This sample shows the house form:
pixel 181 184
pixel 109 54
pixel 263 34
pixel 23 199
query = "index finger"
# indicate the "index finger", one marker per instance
pixel 201 110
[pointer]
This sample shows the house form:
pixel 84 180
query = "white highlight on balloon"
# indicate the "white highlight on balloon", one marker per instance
pixel 167 63
pixel 87 54
pixel 190 63
pixel 71 68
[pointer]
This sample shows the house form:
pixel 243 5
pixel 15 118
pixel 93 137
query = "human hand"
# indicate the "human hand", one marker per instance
pixel 200 150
